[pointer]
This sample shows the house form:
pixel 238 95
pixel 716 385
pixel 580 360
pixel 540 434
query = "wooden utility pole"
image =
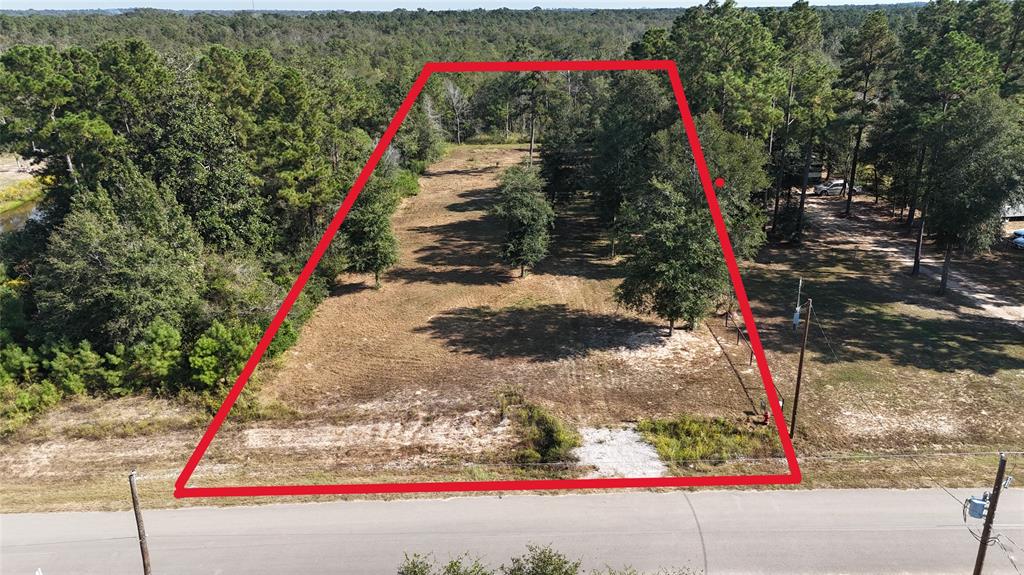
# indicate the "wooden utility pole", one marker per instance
pixel 800 370
pixel 143 546
pixel 986 531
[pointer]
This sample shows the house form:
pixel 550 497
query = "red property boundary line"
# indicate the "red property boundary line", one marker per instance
pixel 181 490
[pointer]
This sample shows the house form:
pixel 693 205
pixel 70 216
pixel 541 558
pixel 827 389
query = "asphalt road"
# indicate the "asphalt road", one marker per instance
pixel 716 532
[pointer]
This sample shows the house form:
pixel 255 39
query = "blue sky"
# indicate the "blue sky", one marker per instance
pixel 376 4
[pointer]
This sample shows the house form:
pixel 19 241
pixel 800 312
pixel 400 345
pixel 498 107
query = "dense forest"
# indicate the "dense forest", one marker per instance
pixel 192 160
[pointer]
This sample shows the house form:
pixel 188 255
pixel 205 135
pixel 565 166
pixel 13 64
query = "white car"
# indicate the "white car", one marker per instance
pixel 831 187
pixel 1018 242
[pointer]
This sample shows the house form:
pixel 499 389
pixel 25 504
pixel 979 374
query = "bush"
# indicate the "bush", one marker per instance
pixel 22 395
pixel 546 439
pixel 219 355
pixel 406 183
pixel 78 369
pixel 536 561
pixel 156 360
pixel 19 403
pixel 424 565
pixel 541 561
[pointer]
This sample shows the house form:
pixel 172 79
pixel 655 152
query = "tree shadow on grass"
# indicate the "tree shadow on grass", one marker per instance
pixel 579 245
pixel 872 312
pixel 463 252
pixel 339 288
pixel 477 171
pixel 479 200
pixel 538 333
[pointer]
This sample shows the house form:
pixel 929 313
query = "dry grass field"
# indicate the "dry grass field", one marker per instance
pixel 405 383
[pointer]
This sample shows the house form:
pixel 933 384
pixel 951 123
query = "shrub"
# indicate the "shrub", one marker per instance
pixel 19 403
pixel 536 561
pixel 424 565
pixel 22 395
pixel 219 355
pixel 541 561
pixel 687 439
pixel 79 369
pixel 406 183
pixel 546 439
pixel 155 360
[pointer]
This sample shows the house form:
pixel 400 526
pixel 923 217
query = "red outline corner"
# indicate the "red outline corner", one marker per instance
pixel 180 486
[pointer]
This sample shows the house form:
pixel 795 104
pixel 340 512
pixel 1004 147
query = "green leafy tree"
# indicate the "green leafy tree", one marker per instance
pixel 219 355
pixel 639 105
pixel 979 169
pixel 730 65
pixel 197 159
pixel 808 85
pixel 527 216
pixel 370 241
pixel 674 265
pixel 124 257
pixel 156 358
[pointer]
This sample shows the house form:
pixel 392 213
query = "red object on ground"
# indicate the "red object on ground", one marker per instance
pixel 181 488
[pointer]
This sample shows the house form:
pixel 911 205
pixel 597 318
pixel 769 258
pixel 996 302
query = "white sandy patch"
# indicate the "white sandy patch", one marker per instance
pixel 618 453
pixel 472 432
pixel 653 347
pixel 864 424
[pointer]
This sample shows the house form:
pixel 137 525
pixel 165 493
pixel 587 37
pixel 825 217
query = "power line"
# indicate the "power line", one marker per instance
pixel 993 541
pixel 867 407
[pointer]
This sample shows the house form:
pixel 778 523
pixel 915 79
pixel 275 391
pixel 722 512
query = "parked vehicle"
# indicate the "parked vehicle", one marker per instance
pixel 834 187
pixel 1018 242
pixel 1018 233
pixel 831 187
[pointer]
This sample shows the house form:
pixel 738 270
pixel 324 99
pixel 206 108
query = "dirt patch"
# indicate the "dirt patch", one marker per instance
pixel 398 369
pixel 471 433
pixel 655 348
pixel 941 425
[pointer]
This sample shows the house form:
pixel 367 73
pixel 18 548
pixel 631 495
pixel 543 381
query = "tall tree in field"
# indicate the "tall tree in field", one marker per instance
pixel 570 139
pixel 527 215
pixel 979 168
pixel 943 70
pixel 369 239
pixel 674 265
pixel 816 102
pixel 673 262
pixel 867 59
pixel 639 106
